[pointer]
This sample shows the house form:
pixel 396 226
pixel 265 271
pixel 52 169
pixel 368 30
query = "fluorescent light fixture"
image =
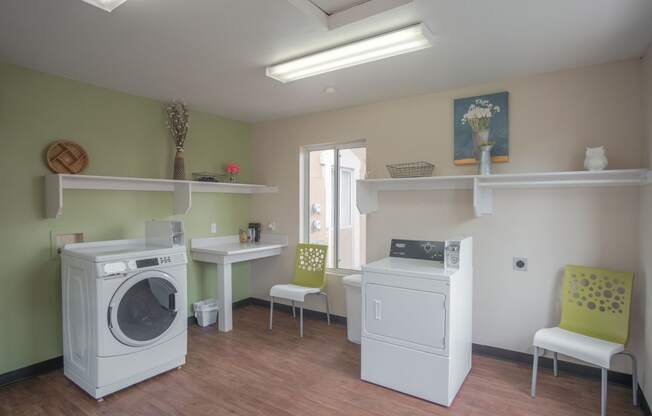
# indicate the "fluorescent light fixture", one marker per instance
pixel 107 5
pixel 409 39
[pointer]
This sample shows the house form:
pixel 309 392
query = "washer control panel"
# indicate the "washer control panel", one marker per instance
pixel 131 265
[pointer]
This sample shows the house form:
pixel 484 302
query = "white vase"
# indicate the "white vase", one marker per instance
pixel 484 168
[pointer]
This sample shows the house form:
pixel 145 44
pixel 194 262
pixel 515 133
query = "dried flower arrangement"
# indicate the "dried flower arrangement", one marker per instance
pixel 178 123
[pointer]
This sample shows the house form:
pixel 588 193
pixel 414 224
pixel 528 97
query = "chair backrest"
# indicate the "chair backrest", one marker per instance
pixel 310 265
pixel 596 302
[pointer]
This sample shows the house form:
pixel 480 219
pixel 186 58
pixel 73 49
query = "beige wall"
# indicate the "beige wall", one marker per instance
pixel 646 229
pixel 553 117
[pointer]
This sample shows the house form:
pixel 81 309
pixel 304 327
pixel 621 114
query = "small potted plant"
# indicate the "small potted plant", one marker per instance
pixel 233 169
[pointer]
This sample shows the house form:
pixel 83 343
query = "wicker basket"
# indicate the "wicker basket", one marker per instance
pixel 410 169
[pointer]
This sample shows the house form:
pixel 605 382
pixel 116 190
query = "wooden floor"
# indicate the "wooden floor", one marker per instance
pixel 253 372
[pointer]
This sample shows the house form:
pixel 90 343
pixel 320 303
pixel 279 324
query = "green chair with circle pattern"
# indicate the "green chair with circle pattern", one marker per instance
pixel 594 323
pixel 309 279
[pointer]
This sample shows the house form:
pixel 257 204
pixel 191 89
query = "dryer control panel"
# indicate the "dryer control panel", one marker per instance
pixel 418 249
pixel 447 252
pixel 452 255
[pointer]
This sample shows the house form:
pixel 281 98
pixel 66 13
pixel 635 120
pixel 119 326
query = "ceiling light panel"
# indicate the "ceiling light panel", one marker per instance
pixel 107 5
pixel 409 39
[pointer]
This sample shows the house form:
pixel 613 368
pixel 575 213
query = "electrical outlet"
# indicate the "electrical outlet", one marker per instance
pixel 214 228
pixel 271 226
pixel 519 264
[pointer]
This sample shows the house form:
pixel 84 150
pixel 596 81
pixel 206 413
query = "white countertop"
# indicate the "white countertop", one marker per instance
pixel 231 246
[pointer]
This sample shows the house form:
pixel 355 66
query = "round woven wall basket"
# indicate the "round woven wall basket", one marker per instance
pixel 65 156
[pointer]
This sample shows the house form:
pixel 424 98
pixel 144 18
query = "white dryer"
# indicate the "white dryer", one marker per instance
pixel 416 318
pixel 124 313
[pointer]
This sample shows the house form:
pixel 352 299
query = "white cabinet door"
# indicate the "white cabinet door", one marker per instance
pixel 408 315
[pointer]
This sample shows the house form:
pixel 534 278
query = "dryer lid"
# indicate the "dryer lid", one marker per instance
pixel 409 267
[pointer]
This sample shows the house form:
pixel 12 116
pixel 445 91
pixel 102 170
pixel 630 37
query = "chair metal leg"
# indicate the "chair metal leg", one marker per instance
pixel 634 377
pixel 634 380
pixel 271 312
pixel 301 320
pixel 535 367
pixel 294 312
pixel 603 396
pixel 555 366
pixel 328 308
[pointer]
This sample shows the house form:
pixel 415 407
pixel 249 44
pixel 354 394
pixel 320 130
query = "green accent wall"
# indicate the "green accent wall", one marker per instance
pixel 124 136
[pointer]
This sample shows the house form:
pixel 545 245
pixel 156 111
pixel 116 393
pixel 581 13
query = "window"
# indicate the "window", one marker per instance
pixel 329 212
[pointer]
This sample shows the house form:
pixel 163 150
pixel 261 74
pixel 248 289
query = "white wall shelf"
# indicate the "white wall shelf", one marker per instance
pixel 483 186
pixel 55 184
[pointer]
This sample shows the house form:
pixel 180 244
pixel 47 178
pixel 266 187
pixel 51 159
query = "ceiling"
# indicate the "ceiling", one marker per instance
pixel 213 53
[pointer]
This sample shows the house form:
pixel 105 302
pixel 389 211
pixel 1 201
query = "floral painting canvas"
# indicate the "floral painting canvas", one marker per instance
pixel 480 121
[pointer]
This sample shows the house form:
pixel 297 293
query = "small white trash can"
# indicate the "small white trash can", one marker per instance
pixel 206 311
pixel 353 293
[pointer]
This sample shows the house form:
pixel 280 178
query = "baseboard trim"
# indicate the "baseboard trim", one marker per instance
pixel 31 371
pixel 307 313
pixel 645 406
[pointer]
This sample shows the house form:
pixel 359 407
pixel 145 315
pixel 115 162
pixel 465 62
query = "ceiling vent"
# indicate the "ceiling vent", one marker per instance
pixel 331 14
pixel 107 5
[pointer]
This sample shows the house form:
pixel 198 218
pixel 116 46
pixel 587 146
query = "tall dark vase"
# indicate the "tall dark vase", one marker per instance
pixel 179 166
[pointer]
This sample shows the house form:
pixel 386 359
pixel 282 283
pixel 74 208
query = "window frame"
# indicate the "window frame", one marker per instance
pixel 304 194
pixel 351 181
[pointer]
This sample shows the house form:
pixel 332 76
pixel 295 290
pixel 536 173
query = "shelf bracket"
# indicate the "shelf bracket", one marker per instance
pixel 483 198
pixel 182 198
pixel 53 196
pixel 366 197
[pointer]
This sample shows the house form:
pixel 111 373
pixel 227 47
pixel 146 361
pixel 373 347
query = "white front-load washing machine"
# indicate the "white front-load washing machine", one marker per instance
pixel 124 313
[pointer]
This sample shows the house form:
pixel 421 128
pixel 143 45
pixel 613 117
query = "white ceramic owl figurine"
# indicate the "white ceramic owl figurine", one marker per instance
pixel 595 158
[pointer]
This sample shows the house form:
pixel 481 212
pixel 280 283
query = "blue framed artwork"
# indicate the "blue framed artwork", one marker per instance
pixel 479 120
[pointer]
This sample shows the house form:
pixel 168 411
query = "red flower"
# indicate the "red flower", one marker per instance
pixel 233 168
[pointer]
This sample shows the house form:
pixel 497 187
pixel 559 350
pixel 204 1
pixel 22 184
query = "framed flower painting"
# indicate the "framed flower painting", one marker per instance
pixel 481 121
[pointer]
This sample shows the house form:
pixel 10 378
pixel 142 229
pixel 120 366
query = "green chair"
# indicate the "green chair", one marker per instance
pixel 594 323
pixel 309 279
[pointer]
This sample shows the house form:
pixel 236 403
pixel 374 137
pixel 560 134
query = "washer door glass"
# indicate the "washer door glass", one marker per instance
pixel 143 308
